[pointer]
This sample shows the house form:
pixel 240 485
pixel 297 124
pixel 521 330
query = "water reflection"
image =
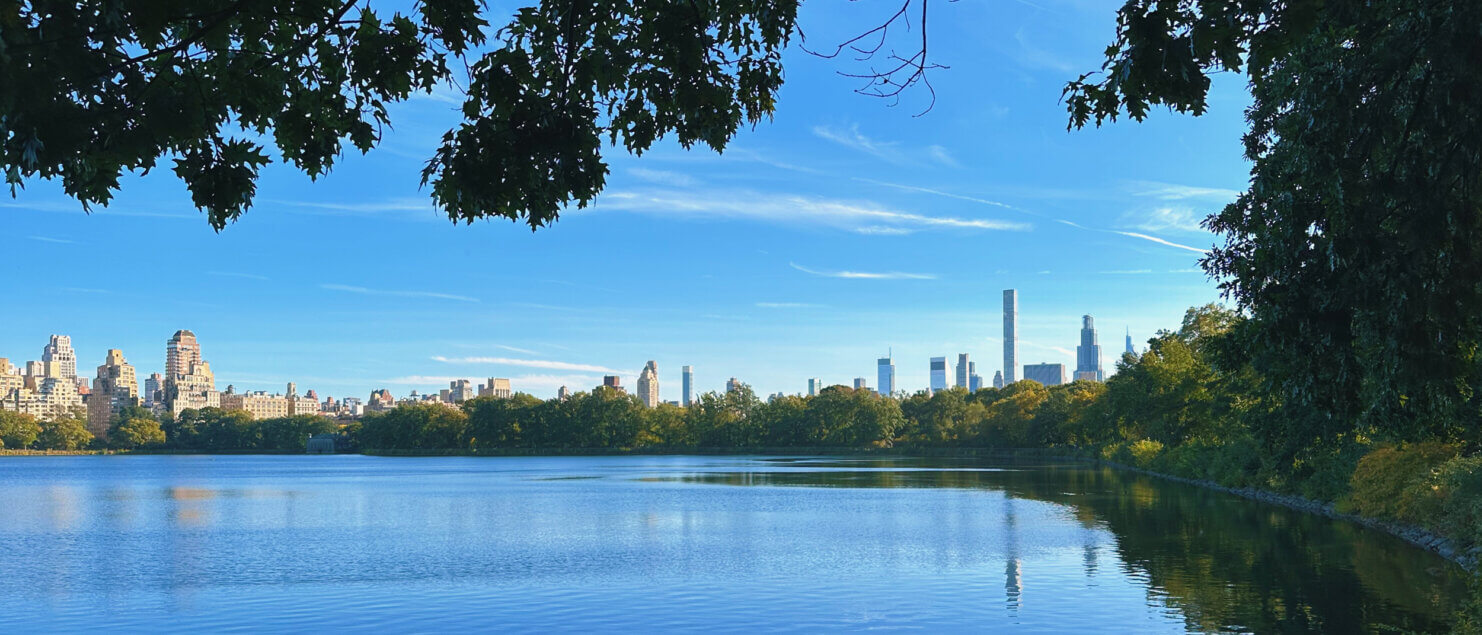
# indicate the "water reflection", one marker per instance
pixel 679 544
pixel 1223 562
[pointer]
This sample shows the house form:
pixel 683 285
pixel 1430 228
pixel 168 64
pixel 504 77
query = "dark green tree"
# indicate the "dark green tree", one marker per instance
pixel 91 89
pixel 1355 250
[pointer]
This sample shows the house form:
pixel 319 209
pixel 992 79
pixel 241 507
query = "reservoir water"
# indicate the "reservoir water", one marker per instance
pixel 679 543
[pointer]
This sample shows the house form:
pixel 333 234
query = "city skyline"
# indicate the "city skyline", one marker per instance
pixel 819 239
pixel 189 382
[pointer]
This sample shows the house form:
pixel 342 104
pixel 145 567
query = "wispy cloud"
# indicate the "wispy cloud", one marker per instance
pixel 1033 56
pixel 1181 219
pixel 852 216
pixel 389 207
pixel 516 350
pixel 888 151
pixel 394 293
pixel 864 275
pixel 1062 221
pixel 236 274
pixel 1160 241
pixel 788 305
pixel 526 363
pixel 1175 192
pixel 662 177
pixel 49 239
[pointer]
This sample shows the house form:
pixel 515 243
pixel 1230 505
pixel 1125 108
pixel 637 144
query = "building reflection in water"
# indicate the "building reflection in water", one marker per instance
pixel 1013 583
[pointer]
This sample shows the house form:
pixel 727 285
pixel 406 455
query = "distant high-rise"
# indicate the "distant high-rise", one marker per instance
pixel 1130 350
pixel 613 381
pixel 938 373
pixel 734 385
pixel 886 376
pixel 59 351
pixel 1047 374
pixel 998 379
pixel 181 353
pixel 859 384
pixel 1088 354
pixel 189 383
pixel 964 370
pixel 1010 335
pixel 563 393
pixel 114 389
pixel 459 391
pixel 689 386
pixel 154 390
pixel 498 388
pixel 974 381
pixel 814 385
pixel 648 384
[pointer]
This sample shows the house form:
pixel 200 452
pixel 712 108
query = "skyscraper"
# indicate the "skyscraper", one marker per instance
pixel 1010 335
pixel 614 382
pixel 1088 354
pixel 189 383
pixel 886 376
pixel 114 389
pixel 734 385
pixel 998 379
pixel 938 373
pixel 859 384
pixel 181 353
pixel 814 385
pixel 689 386
pixel 974 381
pixel 964 370
pixel 59 351
pixel 1130 350
pixel 1047 374
pixel 648 384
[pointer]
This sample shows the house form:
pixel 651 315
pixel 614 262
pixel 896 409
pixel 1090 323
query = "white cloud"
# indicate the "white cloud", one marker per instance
pixel 516 350
pixel 794 209
pixel 662 177
pixel 888 151
pixel 527 363
pixel 881 230
pixel 1161 241
pixel 400 294
pixel 49 239
pixel 865 275
pixel 1175 192
pixel 1182 219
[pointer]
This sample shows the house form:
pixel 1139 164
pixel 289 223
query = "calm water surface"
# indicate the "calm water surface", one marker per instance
pixel 339 543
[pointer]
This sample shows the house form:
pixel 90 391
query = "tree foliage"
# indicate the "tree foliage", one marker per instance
pixel 1355 249
pixel 92 89
pixel 64 433
pixel 18 431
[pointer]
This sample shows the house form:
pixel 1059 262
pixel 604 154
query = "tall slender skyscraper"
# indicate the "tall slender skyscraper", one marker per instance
pixel 1130 350
pixel 689 386
pixel 1010 336
pixel 974 381
pixel 938 373
pixel 59 351
pixel 814 385
pixel 964 370
pixel 885 378
pixel 1088 354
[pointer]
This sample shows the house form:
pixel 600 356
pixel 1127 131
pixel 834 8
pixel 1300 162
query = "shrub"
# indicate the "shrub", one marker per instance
pixel 1145 452
pixel 1384 483
pixel 1449 499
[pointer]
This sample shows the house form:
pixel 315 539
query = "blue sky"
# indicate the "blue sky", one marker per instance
pixel 843 228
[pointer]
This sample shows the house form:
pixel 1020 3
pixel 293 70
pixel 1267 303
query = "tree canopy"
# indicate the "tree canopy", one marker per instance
pixel 92 89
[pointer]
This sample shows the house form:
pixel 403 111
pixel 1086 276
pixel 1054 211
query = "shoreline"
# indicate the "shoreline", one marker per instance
pixel 1468 558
